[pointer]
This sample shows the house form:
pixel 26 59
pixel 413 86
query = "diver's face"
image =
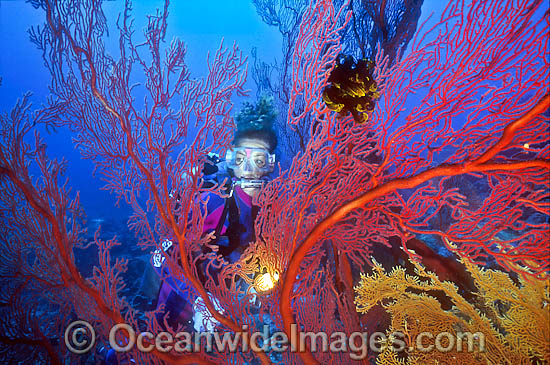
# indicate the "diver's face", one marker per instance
pixel 249 162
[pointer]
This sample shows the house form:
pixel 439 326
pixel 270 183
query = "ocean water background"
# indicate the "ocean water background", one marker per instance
pixel 202 26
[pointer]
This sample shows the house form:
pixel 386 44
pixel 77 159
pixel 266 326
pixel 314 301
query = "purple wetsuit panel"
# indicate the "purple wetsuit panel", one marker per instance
pixel 174 292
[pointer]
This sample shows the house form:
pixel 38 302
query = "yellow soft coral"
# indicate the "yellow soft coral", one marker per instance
pixel 508 324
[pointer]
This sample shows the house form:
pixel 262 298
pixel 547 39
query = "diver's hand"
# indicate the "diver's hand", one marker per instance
pixel 202 319
pixel 158 258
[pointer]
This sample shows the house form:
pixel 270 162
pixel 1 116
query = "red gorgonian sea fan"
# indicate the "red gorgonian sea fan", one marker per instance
pixel 469 100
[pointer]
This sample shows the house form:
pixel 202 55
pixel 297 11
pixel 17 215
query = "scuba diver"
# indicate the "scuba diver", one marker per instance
pixel 230 219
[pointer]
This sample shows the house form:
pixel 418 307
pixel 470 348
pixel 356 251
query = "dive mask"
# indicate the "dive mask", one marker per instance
pixel 248 158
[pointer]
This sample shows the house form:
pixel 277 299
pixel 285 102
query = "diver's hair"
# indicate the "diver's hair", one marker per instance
pixel 255 120
pixel 266 135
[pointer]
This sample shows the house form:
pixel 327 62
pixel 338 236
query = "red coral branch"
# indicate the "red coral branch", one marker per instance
pixel 146 150
pixel 406 183
pixel 470 100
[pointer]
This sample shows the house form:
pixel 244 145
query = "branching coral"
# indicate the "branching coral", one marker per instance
pixel 41 225
pixel 509 323
pixel 448 108
pixel 469 101
pixel 388 25
pixel 141 152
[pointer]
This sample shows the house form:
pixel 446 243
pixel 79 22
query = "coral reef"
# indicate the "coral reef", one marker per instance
pixel 366 27
pixel 509 323
pixel 469 100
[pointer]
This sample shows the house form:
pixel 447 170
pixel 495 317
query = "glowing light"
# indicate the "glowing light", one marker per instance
pixel 266 282
pixel 526 146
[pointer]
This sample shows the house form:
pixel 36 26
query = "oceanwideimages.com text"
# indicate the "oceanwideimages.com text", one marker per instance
pixel 80 338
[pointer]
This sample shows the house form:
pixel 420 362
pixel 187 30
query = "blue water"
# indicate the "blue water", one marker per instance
pixel 201 25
